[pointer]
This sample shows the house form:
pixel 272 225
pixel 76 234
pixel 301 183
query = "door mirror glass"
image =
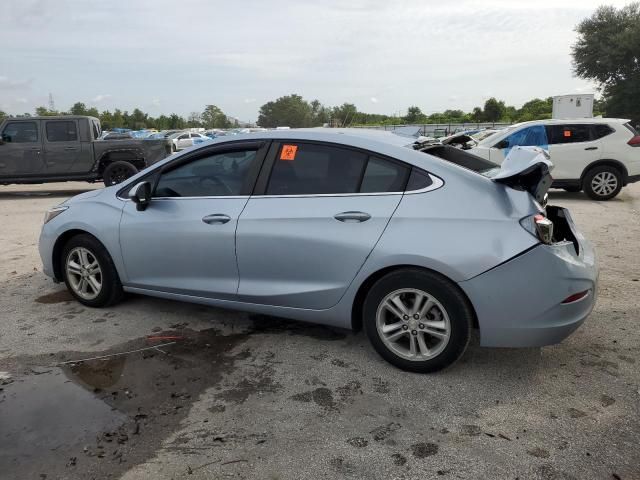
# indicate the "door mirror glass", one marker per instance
pixel 141 195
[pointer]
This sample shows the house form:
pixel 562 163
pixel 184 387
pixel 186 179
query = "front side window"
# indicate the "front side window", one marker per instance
pixel 183 137
pixel 61 131
pixel 559 134
pixel 311 169
pixel 20 132
pixel 221 174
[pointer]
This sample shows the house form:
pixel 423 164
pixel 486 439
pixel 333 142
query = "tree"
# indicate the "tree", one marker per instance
pixel 290 111
pixel 78 108
pixel 494 110
pixel 2 115
pixel 477 115
pixel 608 51
pixel 535 109
pixel 214 117
pixel 320 114
pixel 45 112
pixel 344 115
pixel 414 115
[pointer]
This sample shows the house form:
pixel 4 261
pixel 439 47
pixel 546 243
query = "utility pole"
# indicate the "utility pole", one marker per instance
pixel 52 106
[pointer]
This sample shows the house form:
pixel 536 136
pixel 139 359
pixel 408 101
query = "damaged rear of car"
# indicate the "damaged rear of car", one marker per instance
pixel 541 295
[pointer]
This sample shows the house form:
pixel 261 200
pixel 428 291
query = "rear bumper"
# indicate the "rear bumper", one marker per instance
pixel 519 303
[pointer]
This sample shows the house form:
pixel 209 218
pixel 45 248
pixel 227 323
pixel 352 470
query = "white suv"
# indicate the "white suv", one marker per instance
pixel 597 155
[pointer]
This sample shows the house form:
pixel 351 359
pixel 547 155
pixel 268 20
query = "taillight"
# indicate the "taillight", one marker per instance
pixel 635 141
pixel 539 226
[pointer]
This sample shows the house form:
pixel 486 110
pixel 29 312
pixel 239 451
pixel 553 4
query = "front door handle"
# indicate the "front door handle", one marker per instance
pixel 70 148
pixel 216 219
pixel 591 148
pixel 352 217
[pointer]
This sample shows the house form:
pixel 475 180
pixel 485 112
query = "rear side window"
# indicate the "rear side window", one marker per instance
pixel 61 131
pixel 218 175
pixel 384 176
pixel 600 130
pixel 310 169
pixel 20 132
pixel 418 180
pixel 559 134
pixel 631 128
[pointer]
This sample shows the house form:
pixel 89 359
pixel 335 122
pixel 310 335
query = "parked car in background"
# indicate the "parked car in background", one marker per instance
pixel 65 148
pixel 346 228
pixel 597 155
pixel 182 140
pixel 116 136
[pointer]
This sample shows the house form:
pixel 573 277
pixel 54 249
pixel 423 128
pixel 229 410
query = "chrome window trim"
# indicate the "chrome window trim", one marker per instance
pixel 437 182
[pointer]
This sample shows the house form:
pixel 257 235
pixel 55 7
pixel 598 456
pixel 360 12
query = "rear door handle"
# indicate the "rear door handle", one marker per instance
pixel 352 217
pixel 70 148
pixel 216 219
pixel 591 148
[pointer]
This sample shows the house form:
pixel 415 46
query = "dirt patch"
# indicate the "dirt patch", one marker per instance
pixel 60 296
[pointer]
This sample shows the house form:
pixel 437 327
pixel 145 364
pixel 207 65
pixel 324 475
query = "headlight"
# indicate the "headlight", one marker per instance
pixel 53 213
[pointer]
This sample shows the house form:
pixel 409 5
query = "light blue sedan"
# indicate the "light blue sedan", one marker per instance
pixel 417 244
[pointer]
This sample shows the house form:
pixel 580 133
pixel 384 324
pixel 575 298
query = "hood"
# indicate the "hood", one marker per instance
pixel 527 168
pixel 85 195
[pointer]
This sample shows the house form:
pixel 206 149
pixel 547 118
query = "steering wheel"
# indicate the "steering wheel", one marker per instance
pixel 217 182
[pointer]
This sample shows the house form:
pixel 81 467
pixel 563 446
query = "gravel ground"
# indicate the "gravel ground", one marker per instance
pixel 209 393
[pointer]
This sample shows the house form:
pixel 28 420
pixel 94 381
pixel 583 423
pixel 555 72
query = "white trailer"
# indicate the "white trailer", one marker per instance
pixel 573 106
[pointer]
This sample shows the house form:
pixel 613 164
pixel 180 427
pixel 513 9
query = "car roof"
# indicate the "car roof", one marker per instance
pixel 554 121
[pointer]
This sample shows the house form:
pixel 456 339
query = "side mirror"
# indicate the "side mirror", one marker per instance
pixel 141 195
pixel 502 144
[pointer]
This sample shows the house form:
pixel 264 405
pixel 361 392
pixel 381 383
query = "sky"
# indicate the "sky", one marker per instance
pixel 383 56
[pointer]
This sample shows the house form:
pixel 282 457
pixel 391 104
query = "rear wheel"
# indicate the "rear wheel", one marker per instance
pixel 602 183
pixel 118 172
pixel 89 272
pixel 417 320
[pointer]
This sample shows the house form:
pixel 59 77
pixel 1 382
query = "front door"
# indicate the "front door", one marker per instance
pixel 61 145
pixel 21 149
pixel 302 242
pixel 184 242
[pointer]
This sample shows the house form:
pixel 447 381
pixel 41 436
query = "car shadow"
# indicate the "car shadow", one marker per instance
pixel 42 193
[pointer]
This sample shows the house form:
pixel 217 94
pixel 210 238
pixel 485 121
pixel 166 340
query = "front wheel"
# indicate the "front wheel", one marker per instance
pixel 417 320
pixel 603 183
pixel 118 172
pixel 89 272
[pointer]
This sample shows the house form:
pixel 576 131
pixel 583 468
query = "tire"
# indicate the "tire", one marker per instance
pixel 450 316
pixel 572 189
pixel 118 172
pixel 602 183
pixel 87 246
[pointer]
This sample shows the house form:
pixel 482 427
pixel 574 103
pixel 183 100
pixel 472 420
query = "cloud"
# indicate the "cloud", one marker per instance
pixel 374 100
pixel 249 100
pixel 101 98
pixel 8 84
pixel 155 102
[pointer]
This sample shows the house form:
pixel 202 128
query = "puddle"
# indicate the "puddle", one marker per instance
pixel 100 417
pixel 56 297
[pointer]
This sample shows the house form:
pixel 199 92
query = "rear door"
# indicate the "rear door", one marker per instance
pixel 184 242
pixel 21 149
pixel 318 211
pixel 572 148
pixel 61 145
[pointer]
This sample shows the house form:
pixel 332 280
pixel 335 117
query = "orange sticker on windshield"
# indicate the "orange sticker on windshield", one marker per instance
pixel 567 133
pixel 288 152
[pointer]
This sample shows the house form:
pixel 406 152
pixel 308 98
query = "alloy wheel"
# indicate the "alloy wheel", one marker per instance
pixel 604 183
pixel 413 324
pixel 84 273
